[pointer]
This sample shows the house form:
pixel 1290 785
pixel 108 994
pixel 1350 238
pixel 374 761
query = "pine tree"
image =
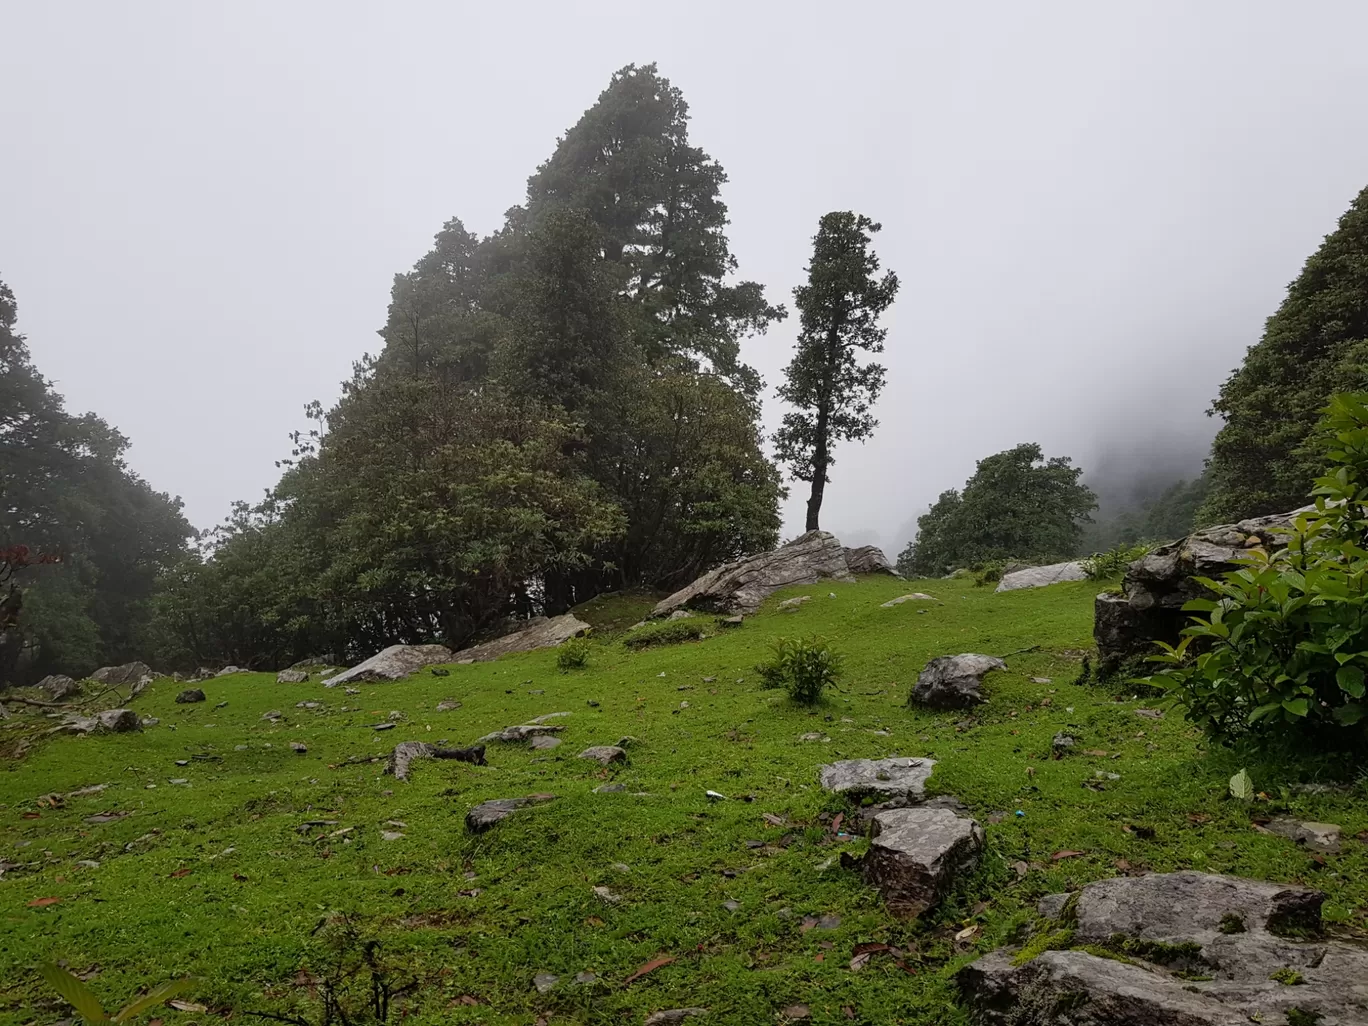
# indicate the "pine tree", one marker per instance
pixel 1315 345
pixel 840 308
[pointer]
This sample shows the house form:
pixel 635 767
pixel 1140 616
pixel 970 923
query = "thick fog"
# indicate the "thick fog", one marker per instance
pixel 1092 210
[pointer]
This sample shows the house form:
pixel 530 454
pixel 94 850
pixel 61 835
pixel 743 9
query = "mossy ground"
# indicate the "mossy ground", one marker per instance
pixel 212 878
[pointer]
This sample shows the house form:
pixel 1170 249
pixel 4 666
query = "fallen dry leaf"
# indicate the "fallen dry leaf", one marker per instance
pixel 1021 869
pixel 967 934
pixel 32 815
pixel 648 967
pixel 836 823
pixel 862 953
pixel 187 1006
pixel 1095 751
pixel 183 871
pixel 1065 854
pixel 1198 817
pixel 774 820
pixel 41 902
pixel 797 1012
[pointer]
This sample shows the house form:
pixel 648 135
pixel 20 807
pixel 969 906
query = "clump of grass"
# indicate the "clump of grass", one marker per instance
pixel 1287 976
pixel 1302 1017
pixel 1231 923
pixel 572 655
pixel 667 632
pixel 1045 940
pixel 804 667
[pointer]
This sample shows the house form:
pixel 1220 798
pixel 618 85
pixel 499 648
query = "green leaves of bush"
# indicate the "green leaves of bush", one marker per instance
pixel 804 667
pixel 1109 565
pixel 667 632
pixel 572 654
pixel 1283 645
pixel 88 1006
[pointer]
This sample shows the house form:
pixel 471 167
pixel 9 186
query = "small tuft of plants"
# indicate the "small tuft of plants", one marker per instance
pixel 1302 1016
pixel 1109 565
pixel 572 654
pixel 1232 923
pixel 804 667
pixel 88 1006
pixel 667 632
pixel 1287 976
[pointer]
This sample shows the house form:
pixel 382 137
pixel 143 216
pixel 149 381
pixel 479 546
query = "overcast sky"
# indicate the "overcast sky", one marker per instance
pixel 1092 207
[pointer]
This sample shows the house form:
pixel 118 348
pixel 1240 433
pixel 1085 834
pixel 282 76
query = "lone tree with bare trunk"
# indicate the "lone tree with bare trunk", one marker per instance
pixel 839 307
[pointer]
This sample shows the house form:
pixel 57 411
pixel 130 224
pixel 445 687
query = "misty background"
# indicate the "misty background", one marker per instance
pixel 1092 210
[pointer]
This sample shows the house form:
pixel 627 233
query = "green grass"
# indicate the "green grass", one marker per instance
pixel 242 919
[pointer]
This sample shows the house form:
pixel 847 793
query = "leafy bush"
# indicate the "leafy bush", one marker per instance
pixel 1283 647
pixel 572 654
pixel 804 667
pixel 989 573
pixel 1106 566
pixel 667 632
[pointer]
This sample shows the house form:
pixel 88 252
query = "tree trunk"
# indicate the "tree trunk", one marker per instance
pixel 820 460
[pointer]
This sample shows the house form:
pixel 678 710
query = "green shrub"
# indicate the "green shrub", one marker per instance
pixel 804 667
pixel 1283 646
pixel 989 573
pixel 667 632
pixel 572 654
pixel 1109 565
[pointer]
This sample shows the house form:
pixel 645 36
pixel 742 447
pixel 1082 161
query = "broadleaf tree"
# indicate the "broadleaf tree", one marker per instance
pixel 831 391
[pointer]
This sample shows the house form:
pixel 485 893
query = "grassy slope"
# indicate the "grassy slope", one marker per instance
pixel 241 917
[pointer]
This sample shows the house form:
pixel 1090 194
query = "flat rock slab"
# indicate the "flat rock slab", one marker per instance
pixel 487 814
pixel 1324 837
pixel 916 596
pixel 111 721
pixel 953 682
pixel 1042 576
pixel 869 559
pixel 59 686
pixel 917 854
pixel 523 732
pixel 394 663
pixel 1200 950
pixel 604 754
pixel 128 673
pixel 539 633
pixel 742 586
pixel 545 743
pixel 895 777
pixel 791 603
pixel 190 695
pixel 292 677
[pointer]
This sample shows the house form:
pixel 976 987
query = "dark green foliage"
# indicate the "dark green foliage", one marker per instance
pixel 1232 923
pixel 1112 564
pixel 840 308
pixel 1302 1017
pixel 1265 457
pixel 572 654
pixel 1018 505
pixel 667 632
pixel 804 667
pixel 1280 650
pixel 1287 976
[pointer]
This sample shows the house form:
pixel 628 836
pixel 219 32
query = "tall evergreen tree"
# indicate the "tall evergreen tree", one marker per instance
pixel 840 308
pixel 1263 460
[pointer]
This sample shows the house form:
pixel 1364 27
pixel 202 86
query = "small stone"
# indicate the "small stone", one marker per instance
pixel 585 978
pixel 604 755
pixel 186 762
pixel 673 1016
pixel 292 677
pixel 731 906
pixel 607 895
pixel 894 777
pixel 273 714
pixel 438 671
pixel 383 726
pixel 592 704
pixel 88 864
pixel 544 743
pixel 794 603
pixel 308 705
pixel 544 982
pixel 119 721
pixel 610 788
pixel 732 621
pixel 390 835
pixel 448 705
pixel 620 867
pixel 917 853
pixel 1321 837
pixel 487 814
pixel 299 746
pixel 1061 743
pixel 1042 680
pixel 178 780
pixel 796 1012
pixel 190 695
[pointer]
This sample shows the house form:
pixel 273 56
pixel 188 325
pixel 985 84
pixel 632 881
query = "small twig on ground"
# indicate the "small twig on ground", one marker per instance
pixel 1021 651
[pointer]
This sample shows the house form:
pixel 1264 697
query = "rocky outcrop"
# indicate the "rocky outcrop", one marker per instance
pixel 1190 949
pixel 539 632
pixel 110 721
pixel 604 754
pixel 487 814
pixel 742 586
pixel 1156 586
pixel 128 673
pixel 406 751
pixel 895 777
pixel 190 696
pixel 292 677
pixel 953 682
pixel 394 663
pixel 523 732
pixel 869 559
pixel 1042 576
pixel 916 596
pixel 917 854
pixel 59 686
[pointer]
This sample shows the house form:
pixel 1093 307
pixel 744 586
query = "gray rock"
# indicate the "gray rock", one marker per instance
pixel 448 705
pixel 794 603
pixel 732 621
pixel 128 673
pixel 1062 743
pixel 189 696
pixel 869 559
pixel 953 682
pixel 118 721
pixel 916 596
pixel 544 982
pixel 917 853
pixel 680 614
pixel 522 732
pixel 394 663
pixel 895 777
pixel 272 714
pixel 537 633
pixel 487 814
pixel 673 1016
pixel 545 743
pixel 59 686
pixel 1201 950
pixel 292 677
pixel 441 671
pixel 308 705
pixel 406 751
pixel 610 789
pixel 1042 576
pixel 742 586
pixel 1323 837
pixel 230 670
pixel 299 747
pixel 585 978
pixel 604 754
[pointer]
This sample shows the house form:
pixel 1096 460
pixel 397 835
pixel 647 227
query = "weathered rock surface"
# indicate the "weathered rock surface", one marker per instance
pixel 1323 837
pixel 1200 950
pixel 673 1016
pixel 954 682
pixel 292 677
pixel 1042 576
pixel 227 670
pixel 604 754
pixel 895 777
pixel 1156 586
pixel 791 603
pixel 869 559
pixel 540 632
pixel 189 696
pixel 917 853
pixel 742 586
pixel 916 596
pixel 112 721
pixel 394 663
pixel 59 686
pixel 128 673
pixel 522 732
pixel 545 743
pixel 406 751
pixel 487 814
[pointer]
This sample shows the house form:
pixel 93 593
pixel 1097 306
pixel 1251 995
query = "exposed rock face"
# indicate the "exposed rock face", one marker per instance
pixel 869 559
pixel 742 586
pixel 487 814
pixel 59 686
pixel 916 855
pixel 229 670
pixel 791 603
pixel 1156 586
pixel 539 633
pixel 118 721
pixel 394 663
pixel 1042 576
pixel 1315 836
pixel 1223 934
pixel 190 695
pixel 292 677
pixel 896 777
pixel 604 754
pixel 954 682
pixel 522 732
pixel 128 673
pixel 916 596
pixel 545 743
pixel 406 751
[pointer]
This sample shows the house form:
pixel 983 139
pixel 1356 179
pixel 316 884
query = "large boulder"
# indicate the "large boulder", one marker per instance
pixel 128 673
pixel 917 854
pixel 292 677
pixel 1156 586
pixel 1042 576
pixel 59 686
pixel 189 696
pixel 953 682
pixel 1190 949
pixel 895 777
pixel 394 663
pixel 741 587
pixel 118 721
pixel 539 632
pixel 869 559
